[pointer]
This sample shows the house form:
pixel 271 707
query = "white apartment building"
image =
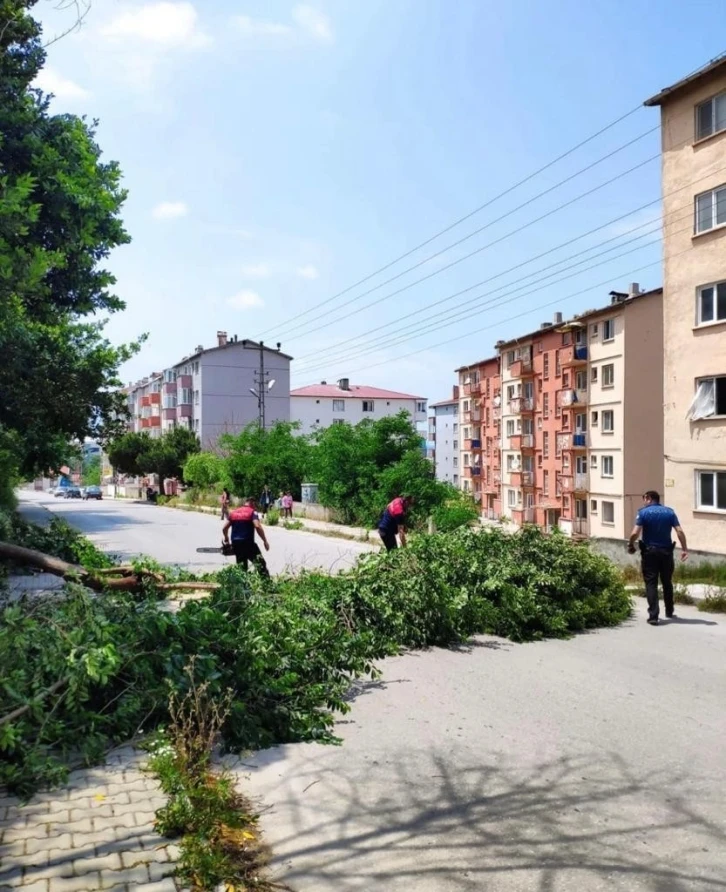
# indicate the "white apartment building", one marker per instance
pixel 444 434
pixel 321 405
pixel 214 391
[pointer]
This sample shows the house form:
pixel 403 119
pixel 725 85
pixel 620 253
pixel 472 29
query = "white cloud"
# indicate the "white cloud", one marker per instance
pixel 170 210
pixel 50 81
pixel 249 25
pixel 245 300
pixel 313 22
pixel 256 270
pixel 308 271
pixel 164 24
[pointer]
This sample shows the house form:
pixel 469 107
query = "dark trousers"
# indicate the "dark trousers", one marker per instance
pixel 245 551
pixel 658 563
pixel 388 539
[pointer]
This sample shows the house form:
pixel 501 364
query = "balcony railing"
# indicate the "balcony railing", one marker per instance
pixel 521 441
pixel 475 387
pixel 521 404
pixel 574 483
pixel 472 445
pixel 521 368
pixel 490 514
pixel 573 355
pixel 567 398
pixel 473 471
pixel 521 478
pixel 523 515
pixel 566 442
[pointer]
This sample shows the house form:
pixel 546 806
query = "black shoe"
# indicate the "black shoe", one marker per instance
pixel 653 622
pixel 671 616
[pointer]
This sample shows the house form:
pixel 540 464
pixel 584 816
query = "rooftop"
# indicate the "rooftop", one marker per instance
pixel 444 403
pixel 361 391
pixel 474 365
pixel 711 68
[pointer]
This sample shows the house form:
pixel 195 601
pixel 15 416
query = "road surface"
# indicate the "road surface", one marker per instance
pixel 589 765
pixel 129 529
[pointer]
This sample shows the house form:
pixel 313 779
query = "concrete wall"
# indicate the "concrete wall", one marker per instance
pixel 225 378
pixel 317 412
pixel 691 260
pixel 616 551
pixel 447 443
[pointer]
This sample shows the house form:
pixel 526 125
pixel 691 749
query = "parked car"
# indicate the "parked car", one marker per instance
pixel 93 492
pixel 60 492
pixel 73 492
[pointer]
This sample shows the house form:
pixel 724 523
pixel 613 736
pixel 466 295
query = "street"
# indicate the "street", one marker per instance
pixel 129 529
pixel 591 764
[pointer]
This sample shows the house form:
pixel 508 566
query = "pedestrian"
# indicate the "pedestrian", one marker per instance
pixel 287 504
pixel 244 522
pixel 653 527
pixel 226 500
pixel 265 500
pixel 394 521
pixel 278 502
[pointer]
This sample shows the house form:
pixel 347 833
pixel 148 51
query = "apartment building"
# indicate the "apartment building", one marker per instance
pixel 576 453
pixel 214 391
pixel 693 125
pixel 444 437
pixel 479 424
pixel 320 405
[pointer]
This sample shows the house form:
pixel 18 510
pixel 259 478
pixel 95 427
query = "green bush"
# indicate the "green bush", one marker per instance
pixel 455 513
pixel 272 518
pixel 57 539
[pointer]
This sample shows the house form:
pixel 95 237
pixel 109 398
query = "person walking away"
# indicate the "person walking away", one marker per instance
pixel 287 503
pixel 394 521
pixel 265 500
pixel 244 522
pixel 653 527
pixel 226 500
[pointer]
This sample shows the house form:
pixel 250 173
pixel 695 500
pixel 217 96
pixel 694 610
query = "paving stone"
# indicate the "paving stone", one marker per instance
pixel 45 843
pixel 98 863
pixel 61 828
pixel 163 885
pixel 89 882
pixel 11 874
pixel 132 876
pixel 36 886
pixel 11 850
pixel 159 871
pixel 92 811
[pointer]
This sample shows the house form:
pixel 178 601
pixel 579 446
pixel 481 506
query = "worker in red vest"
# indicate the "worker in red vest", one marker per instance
pixel 244 523
pixel 393 521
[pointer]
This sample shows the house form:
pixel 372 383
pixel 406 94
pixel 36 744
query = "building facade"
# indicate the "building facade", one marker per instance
pixel 693 125
pixel 214 391
pixel 319 406
pixel 479 424
pixel 444 437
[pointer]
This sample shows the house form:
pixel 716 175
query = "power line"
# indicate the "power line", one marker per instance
pixel 477 232
pixel 473 213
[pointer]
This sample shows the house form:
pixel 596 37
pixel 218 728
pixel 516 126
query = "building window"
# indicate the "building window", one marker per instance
pixel 558 368
pixel 710 399
pixel 711 490
pixel 608 330
pixel 456 428
pixel 593 375
pixel 196 397
pixel 608 512
pixel 420 406
pixel 368 405
pixel 456 478
pixel 338 421
pixel 456 461
pixel 608 375
pixel 581 509
pixel 595 418
pixel 196 368
pixel 338 405
pixel 566 503
pixel 510 427
pixel 545 483
pixel 511 498
pixel 593 461
pixel 710 209
pixel 711 305
pixel 608 421
pixel 466 459
pixel 546 444
pixel 545 405
pixel 546 365
pixel 581 381
pixel 593 330
pixel 456 444
pixel 196 424
pixel 186 396
pixel 593 506
pixel 607 466
pixel 510 357
pixel 711 116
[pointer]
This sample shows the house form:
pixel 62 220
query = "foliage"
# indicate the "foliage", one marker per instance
pixel 57 539
pixel 204 469
pixel 276 457
pixel 713 602
pixel 293 524
pixel 138 454
pixel 92 471
pixel 272 518
pixel 286 648
pixel 59 221
pixel 460 510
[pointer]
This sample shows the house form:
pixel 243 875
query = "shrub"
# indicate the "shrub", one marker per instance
pixel 272 518
pixel 455 513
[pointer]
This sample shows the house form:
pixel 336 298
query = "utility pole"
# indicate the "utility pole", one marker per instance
pixel 261 385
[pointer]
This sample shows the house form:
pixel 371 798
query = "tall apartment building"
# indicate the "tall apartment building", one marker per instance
pixel 213 391
pixel 693 125
pixel 444 435
pixel 580 404
pixel 479 424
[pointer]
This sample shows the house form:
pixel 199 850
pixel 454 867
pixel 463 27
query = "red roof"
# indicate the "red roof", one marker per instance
pixel 360 391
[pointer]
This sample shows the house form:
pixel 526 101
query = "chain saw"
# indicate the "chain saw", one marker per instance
pixel 225 548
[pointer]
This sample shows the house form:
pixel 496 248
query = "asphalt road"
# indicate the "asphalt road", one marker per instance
pixel 129 529
pixel 586 765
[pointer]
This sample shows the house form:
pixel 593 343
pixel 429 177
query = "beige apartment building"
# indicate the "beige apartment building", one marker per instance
pixel 693 126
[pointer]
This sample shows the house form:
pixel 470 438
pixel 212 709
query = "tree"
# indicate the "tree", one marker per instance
pixel 203 469
pixel 59 220
pixel 139 454
pixel 91 471
pixel 276 457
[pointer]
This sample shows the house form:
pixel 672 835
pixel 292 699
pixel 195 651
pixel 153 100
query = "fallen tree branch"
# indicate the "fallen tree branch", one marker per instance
pixel 21 710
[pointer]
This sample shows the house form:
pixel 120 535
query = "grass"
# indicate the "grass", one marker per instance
pixel 707 574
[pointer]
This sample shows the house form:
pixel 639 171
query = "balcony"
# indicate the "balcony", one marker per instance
pixel 522 368
pixel 573 356
pixel 490 514
pixel 473 471
pixel 472 445
pixel 521 405
pixel 571 442
pixel 145 400
pixel 472 415
pixel 580 528
pixel 170 413
pixel 572 398
pixel 184 381
pixel 170 387
pixel 574 483
pixel 154 399
pixel 521 442
pixel 475 387
pixel 523 515
pixel 522 478
pixel 145 423
pixel 496 413
pixel 184 411
pixel 155 421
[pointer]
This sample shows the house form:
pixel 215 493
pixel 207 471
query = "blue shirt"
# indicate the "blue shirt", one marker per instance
pixel 657 522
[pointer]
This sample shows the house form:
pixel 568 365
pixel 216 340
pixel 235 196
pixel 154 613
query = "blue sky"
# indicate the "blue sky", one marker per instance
pixel 276 153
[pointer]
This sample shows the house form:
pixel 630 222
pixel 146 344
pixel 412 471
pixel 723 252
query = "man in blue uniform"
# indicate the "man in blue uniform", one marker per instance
pixel 244 523
pixel 653 526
